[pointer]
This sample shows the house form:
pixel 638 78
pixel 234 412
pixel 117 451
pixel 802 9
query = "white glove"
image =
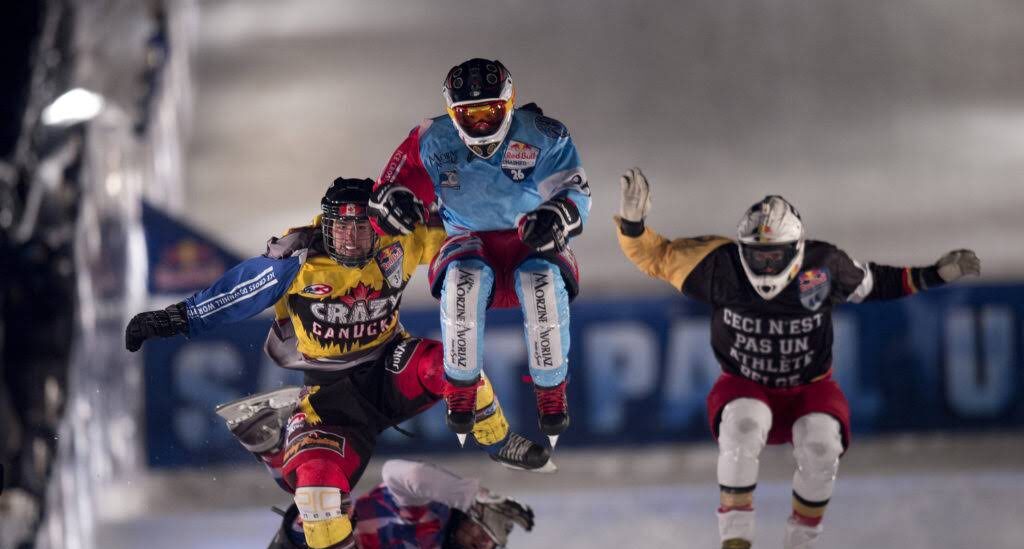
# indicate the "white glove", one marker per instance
pixel 958 263
pixel 497 514
pixel 636 196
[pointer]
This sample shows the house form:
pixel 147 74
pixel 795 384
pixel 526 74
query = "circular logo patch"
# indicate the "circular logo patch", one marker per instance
pixel 318 289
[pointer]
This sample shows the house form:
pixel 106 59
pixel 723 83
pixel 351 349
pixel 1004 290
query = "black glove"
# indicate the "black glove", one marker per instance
pixel 395 210
pixel 549 227
pixel 165 323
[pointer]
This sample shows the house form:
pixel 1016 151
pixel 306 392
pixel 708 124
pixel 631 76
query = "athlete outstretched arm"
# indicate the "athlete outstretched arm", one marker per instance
pixel 674 260
pixel 243 292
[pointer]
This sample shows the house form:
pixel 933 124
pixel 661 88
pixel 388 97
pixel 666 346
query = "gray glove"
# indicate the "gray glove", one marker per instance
pixel 636 196
pixel 958 263
pixel 497 514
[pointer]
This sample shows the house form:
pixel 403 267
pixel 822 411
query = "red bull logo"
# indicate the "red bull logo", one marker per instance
pixel 811 279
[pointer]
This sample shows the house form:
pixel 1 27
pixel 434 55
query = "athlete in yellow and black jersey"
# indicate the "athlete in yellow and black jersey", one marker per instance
pixel 336 288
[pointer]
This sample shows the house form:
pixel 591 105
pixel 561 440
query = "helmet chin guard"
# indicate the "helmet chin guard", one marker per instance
pixel 771 241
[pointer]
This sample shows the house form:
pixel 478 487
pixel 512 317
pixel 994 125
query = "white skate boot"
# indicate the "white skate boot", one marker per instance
pixel 800 536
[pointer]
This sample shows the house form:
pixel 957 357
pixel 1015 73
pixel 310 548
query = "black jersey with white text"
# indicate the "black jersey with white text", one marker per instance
pixel 785 341
pixel 782 342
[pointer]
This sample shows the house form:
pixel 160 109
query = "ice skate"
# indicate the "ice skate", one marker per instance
pixel 736 528
pixel 257 420
pixel 799 535
pixel 553 409
pixel 521 453
pixel 460 397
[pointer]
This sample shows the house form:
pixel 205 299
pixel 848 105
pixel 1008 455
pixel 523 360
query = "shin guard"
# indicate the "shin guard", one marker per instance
pixel 464 295
pixel 545 304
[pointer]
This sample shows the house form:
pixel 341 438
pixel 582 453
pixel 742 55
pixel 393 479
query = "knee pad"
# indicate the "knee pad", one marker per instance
pixel 742 434
pixel 464 296
pixel 324 512
pixel 491 426
pixel 545 303
pixel 817 445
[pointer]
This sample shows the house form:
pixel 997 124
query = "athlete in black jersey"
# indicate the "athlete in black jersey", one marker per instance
pixel 771 293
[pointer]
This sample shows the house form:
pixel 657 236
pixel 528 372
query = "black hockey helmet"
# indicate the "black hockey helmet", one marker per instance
pixel 479 97
pixel 348 236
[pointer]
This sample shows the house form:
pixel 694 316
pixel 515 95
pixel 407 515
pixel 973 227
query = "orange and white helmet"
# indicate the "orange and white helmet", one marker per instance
pixel 480 98
pixel 771 241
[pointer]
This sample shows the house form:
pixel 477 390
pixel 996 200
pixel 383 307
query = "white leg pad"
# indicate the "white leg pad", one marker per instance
pixel 467 287
pixel 736 524
pixel 817 445
pixel 316 503
pixel 800 536
pixel 742 434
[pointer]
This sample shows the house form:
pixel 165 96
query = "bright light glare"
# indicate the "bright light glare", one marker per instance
pixel 77 105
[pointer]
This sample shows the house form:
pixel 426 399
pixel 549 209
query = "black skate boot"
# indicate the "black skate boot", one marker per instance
pixel 460 397
pixel 553 409
pixel 257 421
pixel 519 452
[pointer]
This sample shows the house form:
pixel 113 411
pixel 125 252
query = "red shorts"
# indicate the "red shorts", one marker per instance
pixel 787 405
pixel 503 251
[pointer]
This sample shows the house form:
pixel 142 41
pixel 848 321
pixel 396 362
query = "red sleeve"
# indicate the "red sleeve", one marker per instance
pixel 406 168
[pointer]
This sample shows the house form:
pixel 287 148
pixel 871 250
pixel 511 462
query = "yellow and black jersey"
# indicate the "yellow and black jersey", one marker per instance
pixel 329 316
pixel 339 313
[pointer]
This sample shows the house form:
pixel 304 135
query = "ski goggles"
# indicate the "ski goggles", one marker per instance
pixel 768 259
pixel 481 119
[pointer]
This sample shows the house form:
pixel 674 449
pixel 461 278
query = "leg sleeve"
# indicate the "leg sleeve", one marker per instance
pixel 545 302
pixel 467 288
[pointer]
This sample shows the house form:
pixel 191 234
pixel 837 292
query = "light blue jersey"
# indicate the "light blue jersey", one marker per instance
pixel 536 162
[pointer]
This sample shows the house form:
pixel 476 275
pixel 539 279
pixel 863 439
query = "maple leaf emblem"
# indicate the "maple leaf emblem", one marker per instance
pixel 361 292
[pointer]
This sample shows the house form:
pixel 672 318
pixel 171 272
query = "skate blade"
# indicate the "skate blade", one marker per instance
pixel 553 439
pixel 462 439
pixel 237 411
pixel 546 469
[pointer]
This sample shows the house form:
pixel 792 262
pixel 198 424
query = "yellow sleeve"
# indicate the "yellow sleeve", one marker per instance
pixel 671 261
pixel 281 311
pixel 430 239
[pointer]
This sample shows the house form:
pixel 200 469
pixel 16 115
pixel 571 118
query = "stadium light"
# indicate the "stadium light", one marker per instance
pixel 74 106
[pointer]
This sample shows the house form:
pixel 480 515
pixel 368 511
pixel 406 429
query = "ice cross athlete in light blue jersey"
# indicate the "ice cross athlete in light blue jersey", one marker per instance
pixel 509 187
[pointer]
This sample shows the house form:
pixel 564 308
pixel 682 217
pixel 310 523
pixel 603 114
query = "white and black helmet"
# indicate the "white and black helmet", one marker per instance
pixel 771 241
pixel 480 99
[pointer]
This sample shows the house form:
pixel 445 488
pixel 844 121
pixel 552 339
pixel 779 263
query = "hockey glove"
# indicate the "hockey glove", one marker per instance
pixel 497 515
pixel 164 323
pixel 395 210
pixel 956 264
pixel 549 227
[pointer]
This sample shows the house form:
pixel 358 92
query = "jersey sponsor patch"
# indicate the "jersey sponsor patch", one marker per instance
pixel 445 158
pixel 394 166
pixel 519 160
pixel 400 355
pixel 390 262
pixel 815 287
pixel 550 127
pixel 317 289
pixel 450 179
pixel 315 439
